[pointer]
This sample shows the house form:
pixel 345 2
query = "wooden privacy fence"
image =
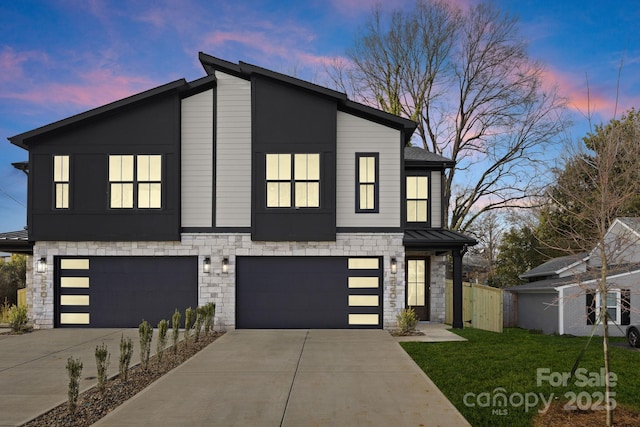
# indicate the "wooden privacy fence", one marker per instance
pixel 22 297
pixel 481 306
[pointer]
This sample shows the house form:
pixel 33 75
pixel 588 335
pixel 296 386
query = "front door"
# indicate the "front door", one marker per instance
pixel 417 286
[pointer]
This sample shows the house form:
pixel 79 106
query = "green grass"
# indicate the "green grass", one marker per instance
pixel 510 360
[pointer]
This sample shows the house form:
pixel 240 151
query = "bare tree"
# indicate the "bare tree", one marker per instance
pixel 477 97
pixel 600 183
pixel 487 230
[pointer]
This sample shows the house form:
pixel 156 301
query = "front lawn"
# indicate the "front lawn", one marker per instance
pixel 504 379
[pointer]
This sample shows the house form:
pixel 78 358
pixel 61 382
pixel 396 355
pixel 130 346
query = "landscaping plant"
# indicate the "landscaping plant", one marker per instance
pixel 74 370
pixel 18 318
pixel 4 311
pixel 407 320
pixel 175 324
pixel 126 351
pixel 189 317
pixel 163 327
pixel 200 316
pixel 210 311
pixel 102 363
pixel 145 331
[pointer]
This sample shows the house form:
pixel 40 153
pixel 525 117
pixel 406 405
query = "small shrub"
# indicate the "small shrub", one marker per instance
pixel 163 327
pixel 4 311
pixel 189 317
pixel 200 316
pixel 18 318
pixel 145 330
pixel 102 363
pixel 407 320
pixel 210 311
pixel 175 324
pixel 126 351
pixel 74 370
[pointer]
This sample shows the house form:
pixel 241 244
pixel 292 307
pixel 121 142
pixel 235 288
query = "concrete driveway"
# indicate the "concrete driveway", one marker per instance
pixel 293 378
pixel 33 377
pixel 246 377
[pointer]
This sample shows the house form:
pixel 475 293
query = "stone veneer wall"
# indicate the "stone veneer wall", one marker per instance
pixel 219 287
pixel 437 289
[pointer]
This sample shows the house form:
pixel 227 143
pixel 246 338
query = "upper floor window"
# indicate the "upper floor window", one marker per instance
pixel 61 181
pixel 367 182
pixel 417 198
pixel 135 181
pixel 293 179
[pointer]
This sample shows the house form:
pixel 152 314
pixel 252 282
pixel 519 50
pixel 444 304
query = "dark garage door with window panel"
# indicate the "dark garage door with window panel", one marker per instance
pixel 119 292
pixel 308 292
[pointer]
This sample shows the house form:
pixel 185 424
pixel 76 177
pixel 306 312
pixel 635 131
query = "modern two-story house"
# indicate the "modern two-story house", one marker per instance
pixel 281 201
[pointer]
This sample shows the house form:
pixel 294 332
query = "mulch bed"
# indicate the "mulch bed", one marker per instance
pixel 556 416
pixel 400 333
pixel 93 405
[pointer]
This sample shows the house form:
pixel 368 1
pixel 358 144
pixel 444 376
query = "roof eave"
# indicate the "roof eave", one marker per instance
pixel 20 140
pixel 444 164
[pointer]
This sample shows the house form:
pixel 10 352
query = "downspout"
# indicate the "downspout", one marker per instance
pixel 560 310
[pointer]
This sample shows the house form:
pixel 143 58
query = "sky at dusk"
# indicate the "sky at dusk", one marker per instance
pixel 60 58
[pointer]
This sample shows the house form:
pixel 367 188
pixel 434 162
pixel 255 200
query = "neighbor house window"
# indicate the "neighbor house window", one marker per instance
pixel 61 181
pixel 615 301
pixel 293 180
pixel 135 181
pixel 367 182
pixel 417 198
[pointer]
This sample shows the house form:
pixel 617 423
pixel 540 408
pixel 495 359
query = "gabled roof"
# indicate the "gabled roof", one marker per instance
pixel 632 223
pixel 587 278
pixel 245 70
pixel 422 156
pixel 555 266
pixel 542 286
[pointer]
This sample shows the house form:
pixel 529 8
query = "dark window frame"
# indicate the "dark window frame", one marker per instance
pixel 427 175
pixel 61 183
pixel 292 181
pixel 376 184
pixel 136 182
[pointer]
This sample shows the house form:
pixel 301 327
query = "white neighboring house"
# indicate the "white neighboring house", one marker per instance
pixel 560 296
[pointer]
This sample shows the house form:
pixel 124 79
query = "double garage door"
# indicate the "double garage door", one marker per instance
pixel 308 292
pixel 120 292
pixel 271 292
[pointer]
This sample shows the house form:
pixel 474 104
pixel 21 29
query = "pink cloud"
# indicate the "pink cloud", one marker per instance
pixel 586 98
pixel 11 63
pixel 95 88
pixel 268 46
pixel 358 7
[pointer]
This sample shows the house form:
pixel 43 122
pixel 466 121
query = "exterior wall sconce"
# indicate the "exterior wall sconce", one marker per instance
pixel 206 265
pixel 41 265
pixel 394 265
pixel 225 264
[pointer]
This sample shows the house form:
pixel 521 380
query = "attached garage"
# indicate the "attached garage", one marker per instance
pixel 119 292
pixel 308 292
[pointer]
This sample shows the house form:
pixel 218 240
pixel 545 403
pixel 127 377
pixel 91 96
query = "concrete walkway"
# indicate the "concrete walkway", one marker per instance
pixel 433 332
pixel 293 378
